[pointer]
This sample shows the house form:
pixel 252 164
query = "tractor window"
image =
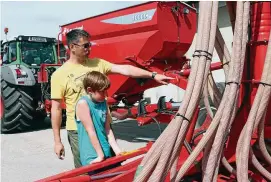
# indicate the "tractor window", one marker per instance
pixel 5 55
pixel 37 53
pixel 9 53
pixel 13 51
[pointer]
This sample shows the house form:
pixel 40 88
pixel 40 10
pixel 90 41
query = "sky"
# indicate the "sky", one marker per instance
pixel 43 18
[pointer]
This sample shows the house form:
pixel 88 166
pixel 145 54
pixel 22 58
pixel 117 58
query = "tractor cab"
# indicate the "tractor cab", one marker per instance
pixel 29 51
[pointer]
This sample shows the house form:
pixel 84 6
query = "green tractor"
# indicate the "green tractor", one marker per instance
pixel 22 95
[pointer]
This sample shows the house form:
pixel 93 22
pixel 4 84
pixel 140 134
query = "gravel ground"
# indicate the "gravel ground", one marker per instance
pixel 29 156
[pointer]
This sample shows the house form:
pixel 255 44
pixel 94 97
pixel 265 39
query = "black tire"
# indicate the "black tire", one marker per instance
pixel 18 107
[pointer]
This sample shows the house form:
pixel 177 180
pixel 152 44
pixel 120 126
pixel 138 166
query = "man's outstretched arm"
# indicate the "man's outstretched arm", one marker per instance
pixel 132 71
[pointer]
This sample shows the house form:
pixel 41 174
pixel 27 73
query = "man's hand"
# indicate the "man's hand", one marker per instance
pixel 59 150
pixel 98 159
pixel 162 79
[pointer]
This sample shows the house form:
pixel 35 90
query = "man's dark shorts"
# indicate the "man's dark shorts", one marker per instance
pixel 73 140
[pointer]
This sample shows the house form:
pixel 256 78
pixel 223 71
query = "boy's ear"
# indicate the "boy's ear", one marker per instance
pixel 89 90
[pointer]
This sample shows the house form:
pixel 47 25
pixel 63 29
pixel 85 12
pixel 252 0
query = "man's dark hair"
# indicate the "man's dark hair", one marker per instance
pixel 73 36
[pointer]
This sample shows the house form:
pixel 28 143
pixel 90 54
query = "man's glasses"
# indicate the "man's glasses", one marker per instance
pixel 85 46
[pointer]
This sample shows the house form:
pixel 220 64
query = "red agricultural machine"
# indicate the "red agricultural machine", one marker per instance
pixel 233 144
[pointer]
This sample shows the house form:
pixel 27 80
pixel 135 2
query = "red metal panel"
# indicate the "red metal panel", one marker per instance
pixel 260 21
pixel 260 31
pixel 83 178
pixel 108 162
pixel 139 35
pixel 125 168
pixel 128 176
pixel 42 76
pixel 267 132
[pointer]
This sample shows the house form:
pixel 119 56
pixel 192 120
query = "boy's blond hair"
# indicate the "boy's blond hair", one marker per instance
pixel 96 81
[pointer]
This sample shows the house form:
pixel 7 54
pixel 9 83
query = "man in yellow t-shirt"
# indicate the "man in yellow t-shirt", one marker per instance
pixel 66 84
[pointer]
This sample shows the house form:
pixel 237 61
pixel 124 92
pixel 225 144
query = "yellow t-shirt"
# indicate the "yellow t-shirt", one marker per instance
pixel 66 83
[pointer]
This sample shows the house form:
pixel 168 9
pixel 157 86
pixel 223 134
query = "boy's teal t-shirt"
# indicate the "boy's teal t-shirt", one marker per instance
pixel 98 112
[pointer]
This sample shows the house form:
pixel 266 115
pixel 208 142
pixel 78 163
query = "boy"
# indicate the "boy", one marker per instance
pixel 93 123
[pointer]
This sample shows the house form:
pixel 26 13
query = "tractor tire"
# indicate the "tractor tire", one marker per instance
pixel 18 108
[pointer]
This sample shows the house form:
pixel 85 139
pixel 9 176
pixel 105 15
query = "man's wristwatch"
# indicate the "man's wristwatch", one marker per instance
pixel 153 75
